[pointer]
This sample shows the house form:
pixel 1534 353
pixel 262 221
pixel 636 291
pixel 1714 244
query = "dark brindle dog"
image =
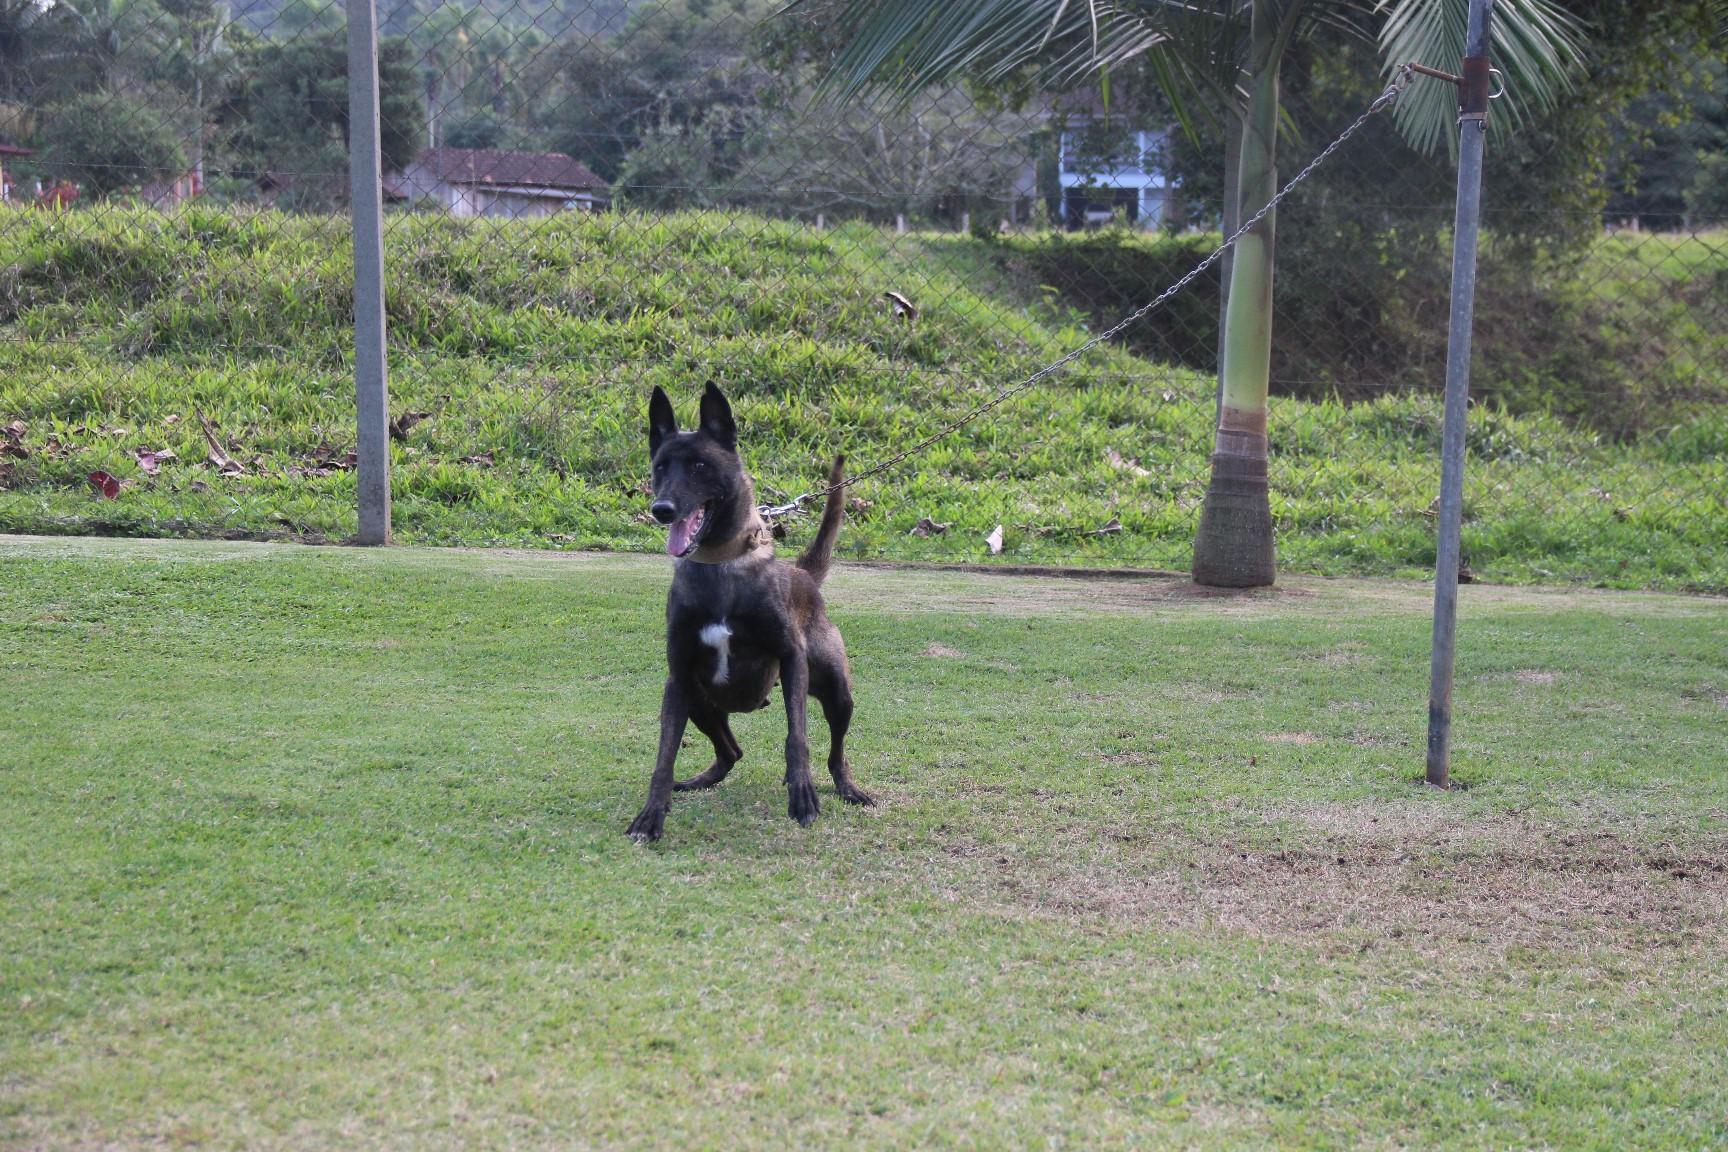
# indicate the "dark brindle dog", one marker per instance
pixel 737 619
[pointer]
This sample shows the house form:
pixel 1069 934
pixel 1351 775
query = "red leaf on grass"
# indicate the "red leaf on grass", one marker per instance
pixel 105 485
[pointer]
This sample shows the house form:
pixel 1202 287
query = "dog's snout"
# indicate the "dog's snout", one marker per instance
pixel 663 511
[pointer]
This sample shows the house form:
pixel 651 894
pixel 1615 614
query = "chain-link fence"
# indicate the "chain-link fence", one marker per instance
pixel 588 199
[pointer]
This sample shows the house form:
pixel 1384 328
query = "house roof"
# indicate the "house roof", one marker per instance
pixel 12 150
pixel 522 169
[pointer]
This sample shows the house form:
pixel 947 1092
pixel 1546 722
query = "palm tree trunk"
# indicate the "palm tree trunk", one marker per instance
pixel 1230 220
pixel 1233 548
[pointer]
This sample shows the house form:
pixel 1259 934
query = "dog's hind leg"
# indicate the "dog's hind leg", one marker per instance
pixel 726 751
pixel 801 802
pixel 831 684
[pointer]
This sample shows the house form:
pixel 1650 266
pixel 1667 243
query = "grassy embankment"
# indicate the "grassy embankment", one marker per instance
pixel 532 348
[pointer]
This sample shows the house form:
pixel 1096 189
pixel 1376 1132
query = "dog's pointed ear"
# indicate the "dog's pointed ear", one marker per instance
pixel 662 423
pixel 717 418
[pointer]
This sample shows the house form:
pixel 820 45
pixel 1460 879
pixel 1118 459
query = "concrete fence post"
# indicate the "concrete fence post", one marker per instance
pixel 366 174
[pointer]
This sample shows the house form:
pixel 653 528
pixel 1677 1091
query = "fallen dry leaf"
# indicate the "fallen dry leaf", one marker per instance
pixel 1119 461
pixel 1113 526
pixel 403 424
pixel 219 457
pixel 106 486
pixel 327 457
pixel 995 540
pixel 928 527
pixel 147 463
pixel 13 444
pixel 482 460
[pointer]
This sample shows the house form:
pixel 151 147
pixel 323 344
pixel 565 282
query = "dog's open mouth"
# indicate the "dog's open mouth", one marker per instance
pixel 686 533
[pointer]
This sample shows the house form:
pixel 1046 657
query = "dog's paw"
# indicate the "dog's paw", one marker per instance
pixel 854 795
pixel 649 825
pixel 801 802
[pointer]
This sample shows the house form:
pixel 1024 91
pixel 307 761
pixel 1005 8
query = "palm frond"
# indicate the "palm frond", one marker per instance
pixel 901 47
pixel 1536 45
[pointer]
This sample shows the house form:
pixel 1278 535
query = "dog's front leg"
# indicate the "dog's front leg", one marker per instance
pixel 674 713
pixel 801 802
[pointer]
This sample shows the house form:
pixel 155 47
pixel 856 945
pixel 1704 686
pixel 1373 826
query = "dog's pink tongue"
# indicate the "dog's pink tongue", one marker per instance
pixel 678 539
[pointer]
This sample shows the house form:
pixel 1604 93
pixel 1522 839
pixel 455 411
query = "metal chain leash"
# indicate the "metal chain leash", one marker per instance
pixel 1381 102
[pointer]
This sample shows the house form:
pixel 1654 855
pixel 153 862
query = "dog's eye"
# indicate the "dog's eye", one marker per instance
pixel 701 465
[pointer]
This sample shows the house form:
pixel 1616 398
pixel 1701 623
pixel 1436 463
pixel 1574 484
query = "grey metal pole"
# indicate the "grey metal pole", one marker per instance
pixel 1472 127
pixel 366 172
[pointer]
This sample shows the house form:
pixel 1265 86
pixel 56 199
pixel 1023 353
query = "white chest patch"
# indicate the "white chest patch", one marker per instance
pixel 719 638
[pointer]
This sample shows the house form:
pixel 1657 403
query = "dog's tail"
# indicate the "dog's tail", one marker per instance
pixel 821 551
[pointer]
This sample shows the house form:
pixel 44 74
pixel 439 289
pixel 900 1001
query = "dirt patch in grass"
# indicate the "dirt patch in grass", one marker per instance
pixel 942 651
pixel 1410 875
pixel 1292 737
pixel 1535 676
pixel 914 589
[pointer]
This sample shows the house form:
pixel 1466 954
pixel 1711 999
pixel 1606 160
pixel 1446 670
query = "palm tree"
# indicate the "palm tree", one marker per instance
pixel 191 51
pixel 1221 55
pixel 21 24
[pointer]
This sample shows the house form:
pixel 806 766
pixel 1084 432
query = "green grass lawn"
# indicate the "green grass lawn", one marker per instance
pixel 319 848
pixel 532 346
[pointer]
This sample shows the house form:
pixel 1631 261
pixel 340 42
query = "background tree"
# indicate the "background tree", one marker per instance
pixel 673 68
pixel 1670 161
pixel 24 27
pixel 289 115
pixel 192 54
pixel 937 157
pixel 100 45
pixel 1226 54
pixel 107 145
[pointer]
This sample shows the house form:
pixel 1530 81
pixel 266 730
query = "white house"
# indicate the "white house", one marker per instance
pixel 1105 172
pixel 488 182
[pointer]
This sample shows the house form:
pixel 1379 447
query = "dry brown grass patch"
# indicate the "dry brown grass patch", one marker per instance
pixel 1415 875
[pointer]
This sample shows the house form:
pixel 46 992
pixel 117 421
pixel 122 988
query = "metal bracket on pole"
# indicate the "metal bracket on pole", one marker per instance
pixel 1473 97
pixel 366 174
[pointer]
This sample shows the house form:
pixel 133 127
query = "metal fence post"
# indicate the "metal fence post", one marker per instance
pixel 365 166
pixel 1472 127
